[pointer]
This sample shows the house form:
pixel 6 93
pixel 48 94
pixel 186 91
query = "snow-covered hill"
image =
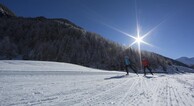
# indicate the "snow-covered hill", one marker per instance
pixel 21 65
pixel 26 83
pixel 186 60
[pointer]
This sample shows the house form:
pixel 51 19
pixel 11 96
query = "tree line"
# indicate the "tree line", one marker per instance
pixel 61 40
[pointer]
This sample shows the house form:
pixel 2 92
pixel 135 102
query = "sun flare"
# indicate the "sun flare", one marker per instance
pixel 138 39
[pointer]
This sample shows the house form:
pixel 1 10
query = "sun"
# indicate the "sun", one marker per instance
pixel 138 39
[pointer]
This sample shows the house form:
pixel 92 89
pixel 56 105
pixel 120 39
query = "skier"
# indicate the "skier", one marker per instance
pixel 146 64
pixel 128 64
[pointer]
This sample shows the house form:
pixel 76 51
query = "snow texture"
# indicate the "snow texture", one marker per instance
pixel 27 83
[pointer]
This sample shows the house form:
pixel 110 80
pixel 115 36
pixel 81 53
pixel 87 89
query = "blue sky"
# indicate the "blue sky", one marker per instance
pixel 173 38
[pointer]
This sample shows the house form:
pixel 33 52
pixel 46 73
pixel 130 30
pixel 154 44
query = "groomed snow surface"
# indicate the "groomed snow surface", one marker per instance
pixel 27 83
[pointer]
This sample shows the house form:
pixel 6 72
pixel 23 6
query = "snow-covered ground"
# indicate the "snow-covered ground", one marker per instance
pixel 26 83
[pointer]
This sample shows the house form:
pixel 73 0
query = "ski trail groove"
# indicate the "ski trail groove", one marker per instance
pixel 127 93
pixel 103 94
pixel 80 95
pixel 155 94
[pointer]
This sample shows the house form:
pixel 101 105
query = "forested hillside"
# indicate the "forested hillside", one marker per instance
pixel 61 40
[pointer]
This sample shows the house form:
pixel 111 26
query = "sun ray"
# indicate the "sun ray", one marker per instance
pixel 139 51
pixel 150 31
pixel 118 30
pixel 147 43
pixel 139 39
pixel 133 43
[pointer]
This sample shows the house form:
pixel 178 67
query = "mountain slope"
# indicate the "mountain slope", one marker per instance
pixel 60 40
pixel 186 60
pixel 5 12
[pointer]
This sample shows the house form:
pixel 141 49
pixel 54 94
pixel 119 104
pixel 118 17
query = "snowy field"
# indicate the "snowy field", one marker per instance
pixel 27 83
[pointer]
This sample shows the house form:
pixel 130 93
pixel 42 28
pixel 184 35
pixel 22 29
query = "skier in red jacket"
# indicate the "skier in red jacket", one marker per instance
pixel 146 64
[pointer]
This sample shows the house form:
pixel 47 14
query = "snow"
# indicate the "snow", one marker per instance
pixel 19 65
pixel 26 83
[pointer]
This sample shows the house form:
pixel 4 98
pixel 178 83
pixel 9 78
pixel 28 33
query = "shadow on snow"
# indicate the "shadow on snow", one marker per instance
pixel 116 77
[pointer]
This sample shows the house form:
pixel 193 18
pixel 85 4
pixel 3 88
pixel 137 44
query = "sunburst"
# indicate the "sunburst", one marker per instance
pixel 138 39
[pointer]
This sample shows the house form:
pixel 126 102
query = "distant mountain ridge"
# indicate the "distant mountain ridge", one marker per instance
pixel 186 60
pixel 60 40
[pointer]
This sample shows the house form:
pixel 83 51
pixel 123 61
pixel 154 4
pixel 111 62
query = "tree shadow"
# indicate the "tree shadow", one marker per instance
pixel 115 77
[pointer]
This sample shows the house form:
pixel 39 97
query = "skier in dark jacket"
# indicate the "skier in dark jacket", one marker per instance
pixel 128 64
pixel 146 64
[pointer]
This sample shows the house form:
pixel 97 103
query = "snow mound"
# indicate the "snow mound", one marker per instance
pixel 22 65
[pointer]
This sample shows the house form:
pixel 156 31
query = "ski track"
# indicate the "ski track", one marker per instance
pixel 106 95
pixel 78 97
pixel 97 90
